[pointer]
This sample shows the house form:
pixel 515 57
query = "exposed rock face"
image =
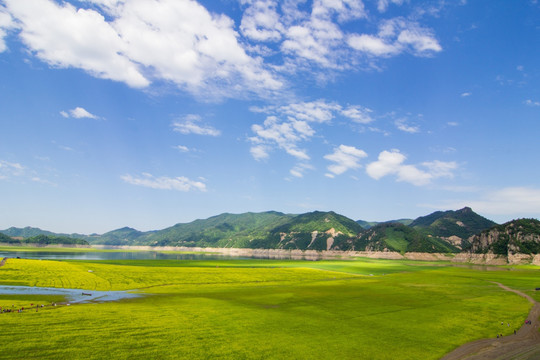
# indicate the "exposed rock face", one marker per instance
pixel 511 239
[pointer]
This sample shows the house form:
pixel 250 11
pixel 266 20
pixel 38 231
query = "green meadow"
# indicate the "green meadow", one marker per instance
pixel 261 309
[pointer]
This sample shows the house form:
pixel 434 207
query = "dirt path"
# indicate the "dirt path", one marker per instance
pixel 3 261
pixel 525 345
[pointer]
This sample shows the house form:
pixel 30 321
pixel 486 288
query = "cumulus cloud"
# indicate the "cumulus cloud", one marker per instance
pixel 138 42
pixel 286 135
pixel 396 36
pixel 180 183
pixel 189 124
pixel 181 42
pixel 344 158
pixel 261 22
pixel 78 113
pixel 392 163
pixel 287 126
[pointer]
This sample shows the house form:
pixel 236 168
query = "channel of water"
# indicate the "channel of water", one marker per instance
pixel 71 295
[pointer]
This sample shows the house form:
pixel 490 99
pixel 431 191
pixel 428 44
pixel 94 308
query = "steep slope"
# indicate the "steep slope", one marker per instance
pixel 401 238
pixel 225 230
pixel 123 236
pixel 455 227
pixel 520 236
pixel 311 231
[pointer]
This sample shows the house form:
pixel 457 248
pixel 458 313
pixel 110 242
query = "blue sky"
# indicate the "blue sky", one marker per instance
pixel 147 113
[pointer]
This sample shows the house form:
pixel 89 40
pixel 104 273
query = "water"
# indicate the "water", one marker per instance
pixel 117 255
pixel 71 295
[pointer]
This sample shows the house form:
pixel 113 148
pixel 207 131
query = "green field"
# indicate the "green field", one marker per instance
pixel 261 309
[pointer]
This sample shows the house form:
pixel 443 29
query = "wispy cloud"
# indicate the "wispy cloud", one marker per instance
pixel 396 36
pixel 392 163
pixel 402 125
pixel 530 102
pixel 180 183
pixel 189 124
pixel 466 94
pixel 9 169
pixel 78 113
pixel 344 158
pixel 509 201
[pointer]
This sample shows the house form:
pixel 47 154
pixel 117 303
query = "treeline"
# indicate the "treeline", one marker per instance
pixel 43 240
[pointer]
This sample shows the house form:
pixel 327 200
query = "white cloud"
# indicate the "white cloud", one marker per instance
pixel 466 94
pixel 64 36
pixel 180 183
pixel 382 5
pixel 300 169
pixel 189 125
pixel 6 24
pixel 392 163
pixel 285 135
pixel 344 158
pixel 261 21
pixel 396 36
pixel 8 169
pixel 372 45
pixel 509 201
pixel 358 114
pixel 137 42
pixel 181 148
pixel 402 125
pixel 181 42
pixel 78 113
pixel 288 126
pixel 530 102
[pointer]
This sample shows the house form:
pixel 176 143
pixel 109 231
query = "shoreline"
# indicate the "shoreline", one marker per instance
pixel 465 258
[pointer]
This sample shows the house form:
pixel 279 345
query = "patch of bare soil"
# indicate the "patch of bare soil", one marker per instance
pixel 524 345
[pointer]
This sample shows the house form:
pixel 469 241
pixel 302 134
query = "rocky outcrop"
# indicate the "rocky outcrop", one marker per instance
pixel 519 240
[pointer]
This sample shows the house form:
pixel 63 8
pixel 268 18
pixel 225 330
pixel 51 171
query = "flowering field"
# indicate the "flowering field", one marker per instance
pixel 259 309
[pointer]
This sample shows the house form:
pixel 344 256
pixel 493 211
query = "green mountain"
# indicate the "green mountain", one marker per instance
pixel 42 240
pixel 401 238
pixel 456 227
pixel 28 231
pixel 225 230
pixel 370 224
pixel 123 236
pixel 311 231
pixel 520 236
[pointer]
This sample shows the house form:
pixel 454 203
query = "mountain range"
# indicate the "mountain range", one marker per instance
pixel 442 231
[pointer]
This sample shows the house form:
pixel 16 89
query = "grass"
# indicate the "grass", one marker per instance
pixel 262 309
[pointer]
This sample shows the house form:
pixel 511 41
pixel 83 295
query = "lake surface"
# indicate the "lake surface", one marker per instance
pixel 116 255
pixel 71 295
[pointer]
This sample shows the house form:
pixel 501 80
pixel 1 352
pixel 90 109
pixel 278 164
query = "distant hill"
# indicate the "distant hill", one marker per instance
pixel 370 224
pixel 28 231
pixel 453 226
pixel 441 231
pixel 123 236
pixel 42 240
pixel 520 236
pixel 401 238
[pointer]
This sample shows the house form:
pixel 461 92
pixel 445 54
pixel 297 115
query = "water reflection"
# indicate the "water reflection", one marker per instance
pixel 71 295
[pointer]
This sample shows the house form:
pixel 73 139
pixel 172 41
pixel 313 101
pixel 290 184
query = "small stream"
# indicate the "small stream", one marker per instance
pixel 71 295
